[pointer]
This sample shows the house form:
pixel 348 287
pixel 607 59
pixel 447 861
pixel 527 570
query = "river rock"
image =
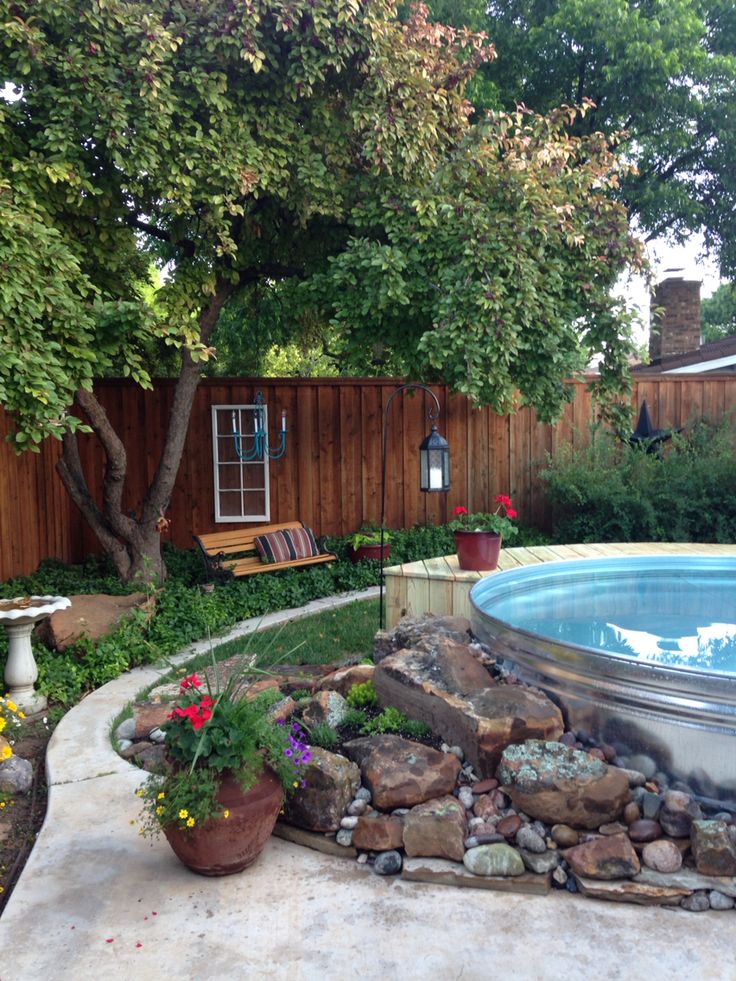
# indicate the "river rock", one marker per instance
pixel 497 859
pixel 718 901
pixel 379 832
pixel 436 829
pixel 697 903
pixel 401 773
pixel 564 836
pixel 713 847
pixel 540 862
pixel 662 856
pixel 387 863
pixel 530 840
pixel 645 830
pixel 559 785
pixel 331 785
pixel 604 858
pixel 677 813
pixel 650 805
pixel 509 825
pixel 451 691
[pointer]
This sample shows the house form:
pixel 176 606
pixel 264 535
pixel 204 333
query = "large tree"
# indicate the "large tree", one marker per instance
pixel 239 144
pixel 664 70
pixel 718 314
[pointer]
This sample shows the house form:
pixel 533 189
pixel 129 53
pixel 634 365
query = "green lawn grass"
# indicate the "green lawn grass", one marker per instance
pixel 320 639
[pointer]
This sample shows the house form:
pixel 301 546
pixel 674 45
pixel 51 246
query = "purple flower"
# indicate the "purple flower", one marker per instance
pixel 288 753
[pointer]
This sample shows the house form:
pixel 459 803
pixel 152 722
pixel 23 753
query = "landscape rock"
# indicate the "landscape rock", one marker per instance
pixel 420 633
pixel 677 813
pixel 148 716
pixel 650 805
pixel 16 776
pixel 564 836
pixel 689 879
pixel 509 825
pixel 90 615
pixel 604 858
pixel 713 847
pixel 531 840
pixel 401 773
pixel 453 693
pixel 379 832
pixel 331 782
pixel 328 707
pixel 500 859
pixel 343 679
pixel 436 829
pixel 559 785
pixel 626 891
pixel 662 856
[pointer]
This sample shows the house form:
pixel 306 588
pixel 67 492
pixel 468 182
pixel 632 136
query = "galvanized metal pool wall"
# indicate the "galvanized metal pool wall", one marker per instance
pixel 681 720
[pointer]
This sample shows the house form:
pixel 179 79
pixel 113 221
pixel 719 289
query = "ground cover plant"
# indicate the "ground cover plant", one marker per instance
pixel 185 614
pixel 611 491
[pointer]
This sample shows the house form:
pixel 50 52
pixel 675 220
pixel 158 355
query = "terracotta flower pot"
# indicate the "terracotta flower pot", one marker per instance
pixel 477 551
pixel 370 552
pixel 222 846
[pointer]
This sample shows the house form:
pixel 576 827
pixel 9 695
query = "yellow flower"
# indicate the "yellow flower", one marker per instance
pixel 21 715
pixel 12 706
pixel 191 822
pixel 6 753
pixel 295 784
pixel 2 723
pixel 159 811
pixel 183 813
pixel 226 813
pixel 161 796
pixel 2 803
pixel 139 792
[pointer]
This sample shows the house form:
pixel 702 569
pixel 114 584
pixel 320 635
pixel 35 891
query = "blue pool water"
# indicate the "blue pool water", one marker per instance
pixel 678 611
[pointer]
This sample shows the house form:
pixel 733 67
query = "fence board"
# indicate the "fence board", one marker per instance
pixel 330 477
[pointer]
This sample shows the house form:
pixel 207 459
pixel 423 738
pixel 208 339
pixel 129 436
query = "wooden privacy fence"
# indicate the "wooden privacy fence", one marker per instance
pixel 330 475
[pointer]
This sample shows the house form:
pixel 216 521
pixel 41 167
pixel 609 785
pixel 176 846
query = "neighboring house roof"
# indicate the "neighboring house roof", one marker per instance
pixel 716 356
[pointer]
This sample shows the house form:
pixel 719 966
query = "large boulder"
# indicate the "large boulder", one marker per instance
pixel 560 785
pixel 452 691
pixel 90 615
pixel 422 633
pixel 401 773
pixel 331 783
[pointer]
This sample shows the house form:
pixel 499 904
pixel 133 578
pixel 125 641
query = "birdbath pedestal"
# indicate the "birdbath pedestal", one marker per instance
pixel 19 616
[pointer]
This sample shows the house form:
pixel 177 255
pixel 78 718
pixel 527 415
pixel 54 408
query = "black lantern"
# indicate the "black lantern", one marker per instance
pixel 434 463
pixel 434 466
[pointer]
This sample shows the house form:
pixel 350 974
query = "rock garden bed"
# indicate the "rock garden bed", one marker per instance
pixel 491 791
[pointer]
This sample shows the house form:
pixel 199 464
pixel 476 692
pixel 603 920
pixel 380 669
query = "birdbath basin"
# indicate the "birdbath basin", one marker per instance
pixel 19 616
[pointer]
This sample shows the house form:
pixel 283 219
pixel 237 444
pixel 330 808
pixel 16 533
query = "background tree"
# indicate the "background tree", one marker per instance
pixel 664 70
pixel 718 314
pixel 242 145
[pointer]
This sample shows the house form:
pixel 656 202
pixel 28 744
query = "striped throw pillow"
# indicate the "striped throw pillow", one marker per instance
pixel 275 546
pixel 303 541
pixel 284 546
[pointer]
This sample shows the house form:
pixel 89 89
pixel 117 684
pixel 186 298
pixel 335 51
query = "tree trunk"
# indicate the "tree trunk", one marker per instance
pixel 133 542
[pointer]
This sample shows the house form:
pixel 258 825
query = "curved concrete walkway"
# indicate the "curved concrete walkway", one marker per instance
pixel 98 901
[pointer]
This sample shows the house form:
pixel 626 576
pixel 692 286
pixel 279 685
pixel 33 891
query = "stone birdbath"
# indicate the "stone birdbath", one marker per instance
pixel 19 616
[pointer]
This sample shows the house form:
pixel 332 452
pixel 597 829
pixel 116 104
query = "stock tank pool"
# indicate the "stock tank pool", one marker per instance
pixel 638 652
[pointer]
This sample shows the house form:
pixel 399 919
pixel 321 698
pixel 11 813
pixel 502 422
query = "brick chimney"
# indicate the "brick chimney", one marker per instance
pixel 677 330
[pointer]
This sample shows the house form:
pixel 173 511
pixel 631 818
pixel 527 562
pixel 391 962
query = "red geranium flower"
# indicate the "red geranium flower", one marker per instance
pixel 191 681
pixel 460 510
pixel 504 499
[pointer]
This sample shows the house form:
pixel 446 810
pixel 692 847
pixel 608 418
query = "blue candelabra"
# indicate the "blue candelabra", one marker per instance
pixel 260 449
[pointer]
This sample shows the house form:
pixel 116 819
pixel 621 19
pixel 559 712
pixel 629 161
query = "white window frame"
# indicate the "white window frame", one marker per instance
pixel 239 518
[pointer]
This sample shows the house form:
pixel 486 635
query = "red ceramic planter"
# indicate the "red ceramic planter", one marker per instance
pixel 369 552
pixel 477 551
pixel 225 845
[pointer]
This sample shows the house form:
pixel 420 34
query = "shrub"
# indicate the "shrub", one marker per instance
pixel 610 491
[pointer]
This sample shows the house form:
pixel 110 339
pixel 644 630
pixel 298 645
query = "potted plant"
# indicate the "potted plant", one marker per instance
pixel 478 536
pixel 366 544
pixel 229 762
